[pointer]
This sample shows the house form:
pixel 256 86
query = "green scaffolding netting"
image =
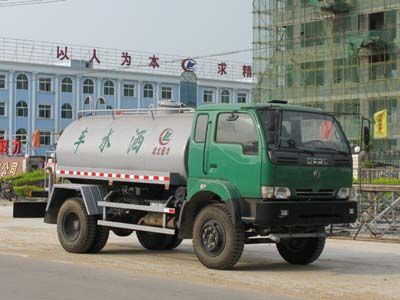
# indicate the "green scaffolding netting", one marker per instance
pixel 339 6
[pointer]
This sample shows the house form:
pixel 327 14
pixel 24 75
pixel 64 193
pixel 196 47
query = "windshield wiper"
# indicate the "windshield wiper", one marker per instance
pixel 304 150
pixel 292 145
pixel 334 150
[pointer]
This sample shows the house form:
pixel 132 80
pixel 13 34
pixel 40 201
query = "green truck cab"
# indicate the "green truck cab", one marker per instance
pixel 282 172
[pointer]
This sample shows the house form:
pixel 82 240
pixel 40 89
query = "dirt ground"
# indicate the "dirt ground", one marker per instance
pixel 346 270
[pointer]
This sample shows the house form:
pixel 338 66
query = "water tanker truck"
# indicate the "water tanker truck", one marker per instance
pixel 223 176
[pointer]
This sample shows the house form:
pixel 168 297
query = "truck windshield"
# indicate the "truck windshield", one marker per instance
pixel 303 131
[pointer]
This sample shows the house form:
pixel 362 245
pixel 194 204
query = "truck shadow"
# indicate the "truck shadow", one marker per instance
pixel 278 267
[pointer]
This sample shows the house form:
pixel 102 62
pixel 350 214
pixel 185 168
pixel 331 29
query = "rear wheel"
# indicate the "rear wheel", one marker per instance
pixel 76 230
pixel 154 241
pixel 175 243
pixel 218 243
pixel 122 232
pixel 102 234
pixel 302 251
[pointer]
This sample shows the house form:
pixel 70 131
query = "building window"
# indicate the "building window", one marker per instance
pixel 241 97
pixel 66 111
pixel 45 138
pixel 22 109
pixel 345 70
pixel 313 73
pixel 208 96
pixel 109 88
pixel 2 81
pixel 2 109
pixel 166 93
pixel 21 135
pixel 22 82
pixel 129 90
pixel 109 107
pixel 45 84
pixel 44 111
pixel 313 34
pixel 2 134
pixel 88 86
pixel 87 101
pixel 66 85
pixel 225 96
pixel 148 91
pixel 101 101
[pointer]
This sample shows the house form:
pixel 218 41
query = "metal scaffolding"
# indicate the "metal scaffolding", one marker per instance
pixel 337 55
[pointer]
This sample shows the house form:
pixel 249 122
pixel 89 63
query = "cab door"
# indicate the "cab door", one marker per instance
pixel 197 152
pixel 234 152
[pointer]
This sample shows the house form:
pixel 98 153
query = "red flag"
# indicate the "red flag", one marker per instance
pixel 326 130
pixel 36 139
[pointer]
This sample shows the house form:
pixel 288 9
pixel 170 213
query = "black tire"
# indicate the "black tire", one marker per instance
pixel 175 243
pixel 218 243
pixel 76 230
pixel 122 232
pixel 102 234
pixel 154 241
pixel 301 251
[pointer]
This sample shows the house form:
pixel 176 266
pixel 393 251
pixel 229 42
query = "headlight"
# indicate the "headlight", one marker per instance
pixel 275 192
pixel 344 193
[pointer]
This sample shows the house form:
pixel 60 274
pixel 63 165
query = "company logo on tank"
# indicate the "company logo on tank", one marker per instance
pixel 164 139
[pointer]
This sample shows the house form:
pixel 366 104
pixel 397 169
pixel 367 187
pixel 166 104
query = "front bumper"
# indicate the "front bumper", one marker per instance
pixel 298 213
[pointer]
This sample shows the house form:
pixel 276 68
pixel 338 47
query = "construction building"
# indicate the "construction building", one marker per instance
pixel 337 55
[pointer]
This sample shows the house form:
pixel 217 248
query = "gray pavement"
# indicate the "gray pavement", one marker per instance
pixel 27 278
pixel 346 270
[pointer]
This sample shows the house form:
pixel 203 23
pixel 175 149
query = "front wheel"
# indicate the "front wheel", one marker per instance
pixel 218 242
pixel 302 251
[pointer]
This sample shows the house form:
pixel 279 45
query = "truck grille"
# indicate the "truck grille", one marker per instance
pixel 285 160
pixel 342 163
pixel 310 194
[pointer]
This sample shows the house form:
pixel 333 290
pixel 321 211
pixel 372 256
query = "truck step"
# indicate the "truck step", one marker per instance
pixel 136 227
pixel 164 210
pixel 153 209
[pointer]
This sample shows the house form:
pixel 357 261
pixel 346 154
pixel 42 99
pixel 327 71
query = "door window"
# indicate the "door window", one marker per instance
pixel 237 128
pixel 201 129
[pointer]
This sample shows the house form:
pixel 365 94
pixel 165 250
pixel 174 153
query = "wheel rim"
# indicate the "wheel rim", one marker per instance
pixel 71 226
pixel 213 238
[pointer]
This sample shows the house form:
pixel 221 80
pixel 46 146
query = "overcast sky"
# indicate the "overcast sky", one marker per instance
pixel 182 27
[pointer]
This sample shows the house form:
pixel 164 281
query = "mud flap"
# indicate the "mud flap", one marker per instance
pixel 31 209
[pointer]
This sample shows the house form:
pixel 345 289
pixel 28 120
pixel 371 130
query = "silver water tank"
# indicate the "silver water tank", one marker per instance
pixel 151 143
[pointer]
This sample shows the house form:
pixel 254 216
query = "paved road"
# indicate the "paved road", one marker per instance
pixel 27 278
pixel 346 270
